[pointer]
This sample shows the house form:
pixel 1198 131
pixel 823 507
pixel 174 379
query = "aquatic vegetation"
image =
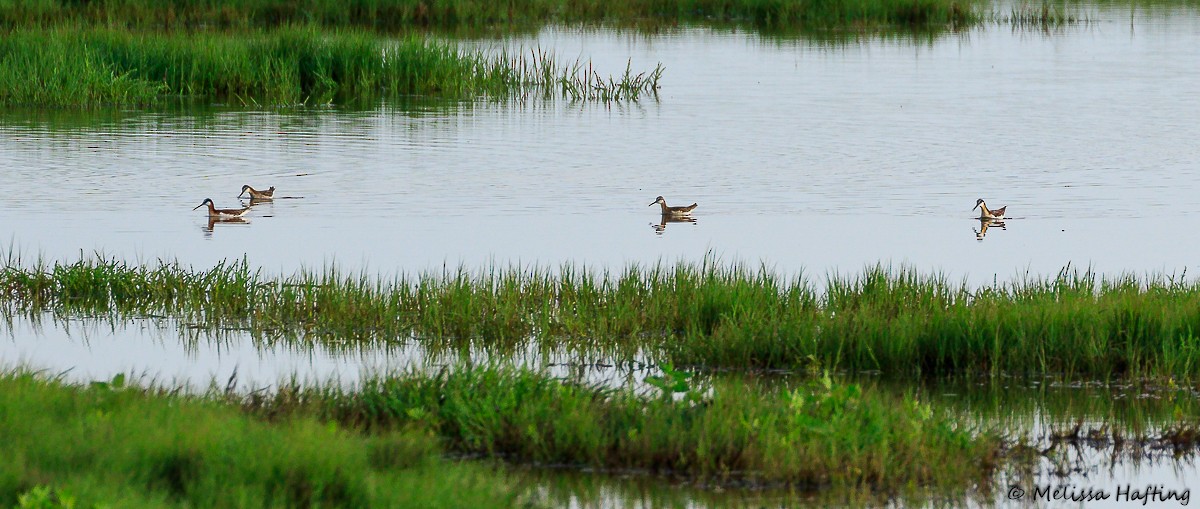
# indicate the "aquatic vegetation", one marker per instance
pixel 1129 420
pixel 65 67
pixel 115 445
pixel 1132 405
pixel 820 434
pixel 376 444
pixel 695 315
pixel 1042 16
pixel 405 14
pixel 1068 430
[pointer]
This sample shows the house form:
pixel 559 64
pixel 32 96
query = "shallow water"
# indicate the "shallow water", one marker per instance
pixel 806 155
pixel 809 156
pixel 160 351
pixel 163 352
pixel 1071 476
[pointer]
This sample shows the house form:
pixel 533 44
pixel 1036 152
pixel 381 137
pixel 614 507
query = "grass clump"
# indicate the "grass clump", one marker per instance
pixel 821 434
pixel 896 321
pixel 455 14
pixel 110 445
pixel 98 67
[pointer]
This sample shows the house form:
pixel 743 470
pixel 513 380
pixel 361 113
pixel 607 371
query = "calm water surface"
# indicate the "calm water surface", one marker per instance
pixel 809 156
pixel 160 351
pixel 805 155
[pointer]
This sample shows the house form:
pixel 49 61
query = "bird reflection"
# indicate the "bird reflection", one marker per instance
pixel 666 218
pixel 260 201
pixel 984 224
pixel 213 221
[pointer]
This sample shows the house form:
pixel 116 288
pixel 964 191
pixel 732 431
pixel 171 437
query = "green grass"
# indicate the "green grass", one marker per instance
pixel 114 446
pixel 90 68
pixel 818 435
pixel 381 445
pixel 456 14
pixel 706 315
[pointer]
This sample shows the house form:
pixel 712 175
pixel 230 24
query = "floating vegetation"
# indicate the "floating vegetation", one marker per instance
pixel 96 67
pixel 707 315
pixel 393 15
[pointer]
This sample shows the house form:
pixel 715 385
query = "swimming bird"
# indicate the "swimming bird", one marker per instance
pixel 986 213
pixel 221 213
pixel 256 194
pixel 673 211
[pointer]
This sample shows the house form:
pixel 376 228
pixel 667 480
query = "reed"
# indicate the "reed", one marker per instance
pixel 703 315
pixel 820 434
pixel 112 445
pixel 1047 15
pixel 456 14
pixel 88 68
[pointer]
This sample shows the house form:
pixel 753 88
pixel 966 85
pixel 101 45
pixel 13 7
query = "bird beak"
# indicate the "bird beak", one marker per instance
pixel 975 207
pixel 197 206
pixel 651 204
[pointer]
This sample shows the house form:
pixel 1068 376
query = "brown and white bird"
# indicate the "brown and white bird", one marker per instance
pixel 673 211
pixel 986 213
pixel 256 194
pixel 215 212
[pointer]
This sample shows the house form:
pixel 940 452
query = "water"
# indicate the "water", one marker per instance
pixel 804 155
pixel 808 156
pixel 163 352
pixel 160 351
pixel 1096 476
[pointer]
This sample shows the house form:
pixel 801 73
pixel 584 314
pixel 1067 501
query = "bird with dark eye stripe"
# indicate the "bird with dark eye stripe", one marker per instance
pixel 256 194
pixel 215 212
pixel 986 213
pixel 673 211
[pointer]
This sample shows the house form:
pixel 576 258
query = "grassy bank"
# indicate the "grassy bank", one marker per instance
pixel 821 434
pixel 374 445
pixel 95 67
pixel 900 322
pixel 405 14
pixel 114 446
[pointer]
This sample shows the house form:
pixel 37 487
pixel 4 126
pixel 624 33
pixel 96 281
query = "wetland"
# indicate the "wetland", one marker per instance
pixel 459 296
